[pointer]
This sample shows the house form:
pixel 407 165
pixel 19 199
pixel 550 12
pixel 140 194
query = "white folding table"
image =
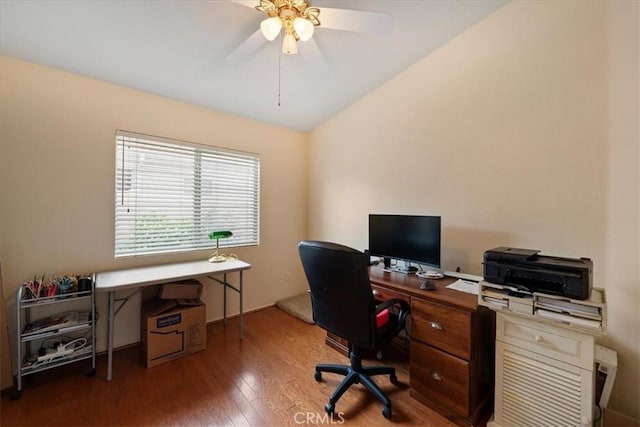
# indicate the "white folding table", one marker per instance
pixel 137 278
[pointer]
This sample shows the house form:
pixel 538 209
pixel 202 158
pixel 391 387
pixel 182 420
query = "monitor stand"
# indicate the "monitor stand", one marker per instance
pixel 404 270
pixel 387 263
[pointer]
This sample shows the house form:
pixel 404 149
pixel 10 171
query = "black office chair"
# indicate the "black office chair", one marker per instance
pixel 343 304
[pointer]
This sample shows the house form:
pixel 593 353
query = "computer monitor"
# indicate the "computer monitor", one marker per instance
pixel 410 238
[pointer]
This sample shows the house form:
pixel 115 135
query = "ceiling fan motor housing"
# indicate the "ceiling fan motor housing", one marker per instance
pixel 288 11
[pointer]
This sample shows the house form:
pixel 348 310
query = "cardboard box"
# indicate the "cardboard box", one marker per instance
pixel 171 334
pixel 183 290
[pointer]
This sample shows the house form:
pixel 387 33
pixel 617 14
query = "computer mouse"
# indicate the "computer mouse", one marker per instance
pixel 428 285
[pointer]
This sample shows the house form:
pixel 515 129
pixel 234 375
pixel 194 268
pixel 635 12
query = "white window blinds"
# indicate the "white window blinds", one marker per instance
pixel 170 195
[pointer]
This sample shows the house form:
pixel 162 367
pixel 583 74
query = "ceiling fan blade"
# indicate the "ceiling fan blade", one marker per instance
pixel 355 20
pixel 313 56
pixel 247 48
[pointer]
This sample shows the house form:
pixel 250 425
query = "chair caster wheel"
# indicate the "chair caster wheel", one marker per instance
pixel 379 355
pixel 318 376
pixel 15 394
pixel 329 408
pixel 386 411
pixel 393 378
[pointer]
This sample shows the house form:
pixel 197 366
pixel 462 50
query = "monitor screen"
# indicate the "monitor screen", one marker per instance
pixel 413 238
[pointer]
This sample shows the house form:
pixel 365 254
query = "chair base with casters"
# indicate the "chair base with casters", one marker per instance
pixel 355 373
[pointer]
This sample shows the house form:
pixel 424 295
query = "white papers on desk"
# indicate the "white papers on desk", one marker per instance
pixel 465 286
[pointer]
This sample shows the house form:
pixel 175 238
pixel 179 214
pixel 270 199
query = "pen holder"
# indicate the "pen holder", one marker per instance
pixel 84 284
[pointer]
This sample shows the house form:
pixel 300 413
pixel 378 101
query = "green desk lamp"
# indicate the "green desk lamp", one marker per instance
pixel 216 256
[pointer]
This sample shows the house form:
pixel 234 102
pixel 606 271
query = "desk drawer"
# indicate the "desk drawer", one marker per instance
pixel 384 294
pixel 442 327
pixel 557 343
pixel 440 377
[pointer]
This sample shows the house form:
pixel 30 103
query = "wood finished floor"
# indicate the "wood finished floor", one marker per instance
pixel 264 380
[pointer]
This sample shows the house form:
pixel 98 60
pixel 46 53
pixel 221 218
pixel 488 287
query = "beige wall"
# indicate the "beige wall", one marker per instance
pixel 622 201
pixel 522 131
pixel 57 165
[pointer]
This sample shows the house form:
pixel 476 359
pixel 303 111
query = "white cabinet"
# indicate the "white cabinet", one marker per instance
pixel 54 330
pixel 544 374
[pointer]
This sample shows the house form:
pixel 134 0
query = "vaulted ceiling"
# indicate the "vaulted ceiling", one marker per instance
pixel 179 49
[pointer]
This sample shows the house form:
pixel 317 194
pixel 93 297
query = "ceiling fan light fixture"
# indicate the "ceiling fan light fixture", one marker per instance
pixel 303 28
pixel 289 45
pixel 271 27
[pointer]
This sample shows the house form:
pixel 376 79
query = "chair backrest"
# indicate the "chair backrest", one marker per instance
pixel 341 297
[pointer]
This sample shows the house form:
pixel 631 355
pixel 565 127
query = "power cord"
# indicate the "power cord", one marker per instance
pixel 60 349
pixel 595 422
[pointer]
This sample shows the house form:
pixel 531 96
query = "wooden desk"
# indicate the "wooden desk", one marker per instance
pixel 451 355
pixel 112 281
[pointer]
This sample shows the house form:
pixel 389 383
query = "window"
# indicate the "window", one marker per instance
pixel 170 195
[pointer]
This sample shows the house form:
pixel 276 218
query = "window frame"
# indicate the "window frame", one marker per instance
pixel 218 183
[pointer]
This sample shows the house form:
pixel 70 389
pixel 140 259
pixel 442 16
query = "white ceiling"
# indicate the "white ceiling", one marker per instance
pixel 178 49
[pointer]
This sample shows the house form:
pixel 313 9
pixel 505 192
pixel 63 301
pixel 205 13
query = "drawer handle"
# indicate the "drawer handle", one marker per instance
pixel 538 338
pixel 436 325
pixel 436 376
pixel 377 293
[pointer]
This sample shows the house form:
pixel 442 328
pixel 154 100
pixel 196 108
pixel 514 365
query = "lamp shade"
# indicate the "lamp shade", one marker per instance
pixel 289 45
pixel 220 234
pixel 271 27
pixel 303 28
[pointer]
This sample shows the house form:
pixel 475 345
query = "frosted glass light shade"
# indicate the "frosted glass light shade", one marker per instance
pixel 271 27
pixel 303 28
pixel 289 45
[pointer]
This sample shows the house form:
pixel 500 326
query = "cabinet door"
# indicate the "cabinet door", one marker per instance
pixel 564 345
pixel 440 377
pixel 442 326
pixel 535 390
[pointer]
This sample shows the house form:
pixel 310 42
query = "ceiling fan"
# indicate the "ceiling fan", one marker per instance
pixel 296 20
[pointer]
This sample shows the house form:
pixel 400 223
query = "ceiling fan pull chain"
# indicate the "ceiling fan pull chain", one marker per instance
pixel 279 72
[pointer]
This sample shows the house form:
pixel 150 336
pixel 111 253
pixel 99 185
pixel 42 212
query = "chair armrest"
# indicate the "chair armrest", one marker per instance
pixel 400 303
pixel 403 309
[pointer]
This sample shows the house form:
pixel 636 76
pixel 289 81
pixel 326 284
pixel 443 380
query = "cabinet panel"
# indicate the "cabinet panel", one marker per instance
pixel 440 377
pixel 535 390
pixel 560 344
pixel 442 326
